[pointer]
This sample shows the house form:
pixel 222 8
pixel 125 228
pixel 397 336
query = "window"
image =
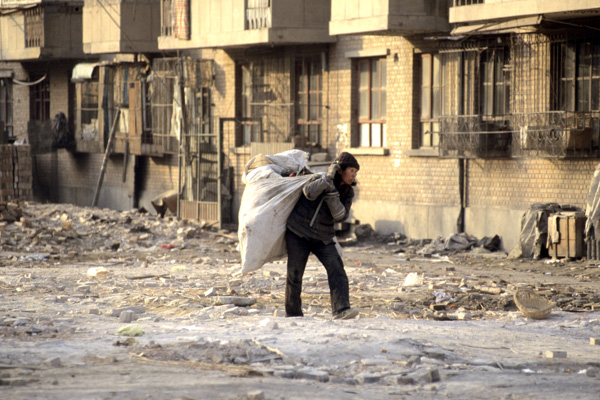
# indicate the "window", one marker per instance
pixel 258 14
pixel 89 108
pixel 40 100
pixel 458 89
pixel 431 102
pixel 579 77
pixel 166 17
pixel 495 91
pixel 34 27
pixel 147 107
pixel 6 105
pixel 372 76
pixel 250 129
pixel 309 100
pixel 202 117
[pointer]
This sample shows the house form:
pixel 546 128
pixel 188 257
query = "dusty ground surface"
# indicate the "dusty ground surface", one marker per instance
pixel 77 284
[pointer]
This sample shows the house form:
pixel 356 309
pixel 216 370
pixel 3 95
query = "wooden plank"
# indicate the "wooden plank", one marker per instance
pixel 105 160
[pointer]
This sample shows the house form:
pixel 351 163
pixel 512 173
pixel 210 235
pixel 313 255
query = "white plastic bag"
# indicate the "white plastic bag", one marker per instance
pixel 267 202
pixel 285 163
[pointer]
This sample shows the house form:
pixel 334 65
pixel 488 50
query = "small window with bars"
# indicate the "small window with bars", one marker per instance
pixel 34 27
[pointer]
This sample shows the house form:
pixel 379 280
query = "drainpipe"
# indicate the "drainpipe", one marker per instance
pixel 460 222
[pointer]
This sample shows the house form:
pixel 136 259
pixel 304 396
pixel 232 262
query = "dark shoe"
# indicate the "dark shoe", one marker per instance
pixel 294 315
pixel 348 313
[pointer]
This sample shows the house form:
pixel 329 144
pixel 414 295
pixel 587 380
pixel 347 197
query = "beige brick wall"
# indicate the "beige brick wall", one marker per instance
pixel 20 100
pixel 404 182
pixel 520 183
pixel 395 180
pixel 394 177
pixel 60 78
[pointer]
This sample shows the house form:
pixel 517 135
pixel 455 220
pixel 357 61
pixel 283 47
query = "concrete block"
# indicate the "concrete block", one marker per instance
pixel 556 354
pixel 366 377
pixel 126 316
pixel 255 395
pixel 312 374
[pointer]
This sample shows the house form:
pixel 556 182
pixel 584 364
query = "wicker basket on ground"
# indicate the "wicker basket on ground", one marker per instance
pixel 532 305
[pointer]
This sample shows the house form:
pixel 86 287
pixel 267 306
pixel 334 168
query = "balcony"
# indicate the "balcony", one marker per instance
pixel 470 11
pixel 239 23
pixel 40 30
pixel 401 16
pixel 469 136
pixel 556 134
pixel 550 134
pixel 121 26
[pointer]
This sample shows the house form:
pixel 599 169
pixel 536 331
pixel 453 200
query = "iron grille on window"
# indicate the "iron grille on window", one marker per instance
pixel 556 104
pixel 258 14
pixel 458 3
pixel 166 18
pixel 264 101
pixel 34 27
pixel 162 91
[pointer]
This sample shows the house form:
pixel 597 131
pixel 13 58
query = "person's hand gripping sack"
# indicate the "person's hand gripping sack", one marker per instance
pixel 334 168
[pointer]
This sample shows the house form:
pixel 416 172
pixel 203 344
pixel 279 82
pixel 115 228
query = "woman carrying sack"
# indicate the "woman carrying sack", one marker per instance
pixel 310 229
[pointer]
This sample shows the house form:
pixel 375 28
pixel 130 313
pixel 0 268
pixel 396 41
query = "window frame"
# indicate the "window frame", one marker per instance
pixel 7 105
pixel 309 100
pixel 40 100
pixel 366 92
pixel 495 83
pixel 429 123
pixel 249 129
pixel 578 76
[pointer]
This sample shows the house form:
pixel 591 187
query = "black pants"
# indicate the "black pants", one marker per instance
pixel 298 250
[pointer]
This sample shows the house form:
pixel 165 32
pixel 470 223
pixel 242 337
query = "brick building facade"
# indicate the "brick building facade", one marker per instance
pixel 448 126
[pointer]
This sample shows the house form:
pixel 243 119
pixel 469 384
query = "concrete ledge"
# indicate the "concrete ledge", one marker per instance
pixel 423 152
pixel 368 151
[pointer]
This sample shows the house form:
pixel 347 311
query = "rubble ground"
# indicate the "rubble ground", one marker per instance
pixel 101 304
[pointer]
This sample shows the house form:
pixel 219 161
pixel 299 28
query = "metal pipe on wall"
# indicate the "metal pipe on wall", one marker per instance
pixel 460 223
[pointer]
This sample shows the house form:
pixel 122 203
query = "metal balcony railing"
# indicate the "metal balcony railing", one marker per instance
pixel 555 134
pixel 550 134
pixel 458 3
pixel 469 136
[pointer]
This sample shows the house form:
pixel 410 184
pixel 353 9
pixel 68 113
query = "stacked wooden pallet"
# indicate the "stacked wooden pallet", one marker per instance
pixel 16 180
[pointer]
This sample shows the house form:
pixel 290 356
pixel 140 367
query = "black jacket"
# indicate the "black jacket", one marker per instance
pixel 310 203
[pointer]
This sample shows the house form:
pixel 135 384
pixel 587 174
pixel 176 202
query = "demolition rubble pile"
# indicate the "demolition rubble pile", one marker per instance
pixel 15 172
pixel 390 275
pixel 58 231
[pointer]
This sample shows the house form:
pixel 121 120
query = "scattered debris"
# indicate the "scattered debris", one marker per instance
pixel 193 313
pixel 556 354
pixel 130 330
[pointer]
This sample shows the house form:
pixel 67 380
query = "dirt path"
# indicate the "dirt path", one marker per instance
pixel 71 278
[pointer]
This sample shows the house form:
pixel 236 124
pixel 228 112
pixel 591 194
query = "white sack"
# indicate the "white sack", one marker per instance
pixel 267 202
pixel 284 163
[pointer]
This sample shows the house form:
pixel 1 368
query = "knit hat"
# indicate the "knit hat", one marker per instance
pixel 346 160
